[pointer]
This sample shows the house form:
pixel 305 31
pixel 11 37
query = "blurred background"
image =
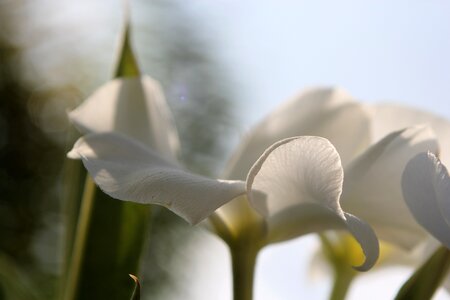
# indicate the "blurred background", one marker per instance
pixel 223 65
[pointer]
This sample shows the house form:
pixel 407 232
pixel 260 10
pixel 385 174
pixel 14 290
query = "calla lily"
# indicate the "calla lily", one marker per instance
pixel 426 188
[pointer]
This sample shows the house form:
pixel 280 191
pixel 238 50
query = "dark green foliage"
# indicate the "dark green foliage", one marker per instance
pixel 29 163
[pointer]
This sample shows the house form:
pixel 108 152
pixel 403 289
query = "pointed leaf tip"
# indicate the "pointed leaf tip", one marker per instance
pixel 134 278
pixel 127 65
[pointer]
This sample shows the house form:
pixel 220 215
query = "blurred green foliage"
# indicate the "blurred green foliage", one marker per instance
pixel 29 164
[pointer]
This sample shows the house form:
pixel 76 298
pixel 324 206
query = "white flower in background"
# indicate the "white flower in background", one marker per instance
pixel 426 188
pixel 373 154
pixel 293 185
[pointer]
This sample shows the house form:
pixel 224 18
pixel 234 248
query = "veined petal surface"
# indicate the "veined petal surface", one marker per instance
pixel 134 106
pixel 293 171
pixel 330 113
pixel 426 188
pixel 127 170
pixel 296 185
pixel 372 185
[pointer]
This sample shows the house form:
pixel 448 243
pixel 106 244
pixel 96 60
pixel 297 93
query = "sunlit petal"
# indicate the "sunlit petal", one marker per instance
pixel 426 188
pixel 132 106
pixel 372 185
pixel 293 171
pixel 296 184
pixel 125 169
pixel 390 117
pixel 330 113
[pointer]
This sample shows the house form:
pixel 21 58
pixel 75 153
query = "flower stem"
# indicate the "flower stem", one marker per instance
pixel 80 240
pixel 343 277
pixel 243 257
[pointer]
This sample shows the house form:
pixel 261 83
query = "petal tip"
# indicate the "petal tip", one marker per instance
pixel 73 154
pixel 366 238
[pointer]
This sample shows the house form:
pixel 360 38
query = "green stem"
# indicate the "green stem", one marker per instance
pixel 343 277
pixel 243 258
pixel 74 269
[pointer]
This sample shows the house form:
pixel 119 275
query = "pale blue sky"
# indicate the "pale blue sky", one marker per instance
pixel 376 50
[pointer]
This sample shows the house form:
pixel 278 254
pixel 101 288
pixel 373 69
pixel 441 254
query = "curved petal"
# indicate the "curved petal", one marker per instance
pixel 366 237
pixel 330 113
pixel 311 217
pixel 125 169
pixel 296 184
pixel 426 188
pixel 390 117
pixel 131 106
pixel 372 185
pixel 296 170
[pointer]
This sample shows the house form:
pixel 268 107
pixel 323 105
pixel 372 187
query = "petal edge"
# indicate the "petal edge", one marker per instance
pixel 126 170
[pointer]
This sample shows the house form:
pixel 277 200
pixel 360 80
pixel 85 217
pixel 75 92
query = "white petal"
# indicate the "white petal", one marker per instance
pixel 372 185
pixel 132 106
pixel 311 217
pixel 426 188
pixel 296 184
pixel 390 117
pixel 330 113
pixel 125 169
pixel 293 171
pixel 366 237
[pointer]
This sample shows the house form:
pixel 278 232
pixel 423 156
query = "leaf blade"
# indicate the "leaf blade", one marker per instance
pixel 427 279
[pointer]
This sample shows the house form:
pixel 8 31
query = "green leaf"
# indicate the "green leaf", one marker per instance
pixel 137 288
pixel 74 176
pixel 110 234
pixel 426 280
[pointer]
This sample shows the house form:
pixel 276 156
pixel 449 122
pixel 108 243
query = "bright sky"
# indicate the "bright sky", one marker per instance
pixel 376 50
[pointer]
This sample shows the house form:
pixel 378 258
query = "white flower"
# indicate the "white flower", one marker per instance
pixel 293 184
pixel 373 154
